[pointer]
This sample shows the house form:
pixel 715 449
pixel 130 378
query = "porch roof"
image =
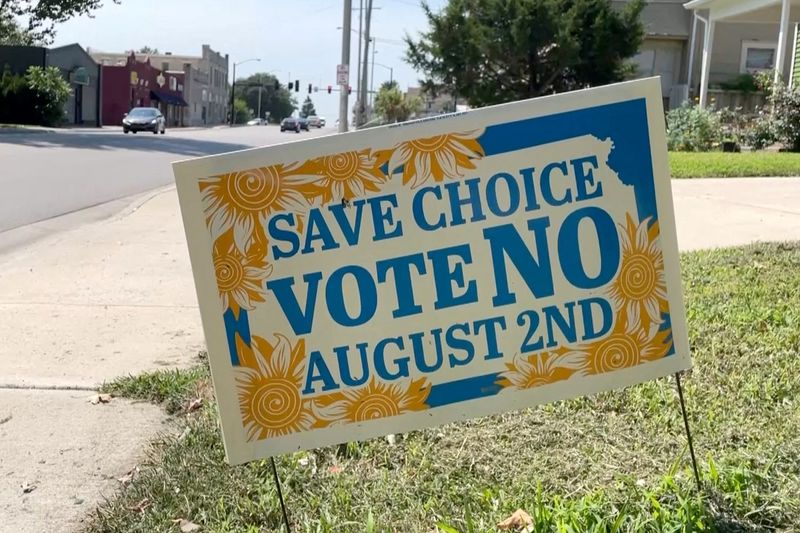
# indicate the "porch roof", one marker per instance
pixel 762 11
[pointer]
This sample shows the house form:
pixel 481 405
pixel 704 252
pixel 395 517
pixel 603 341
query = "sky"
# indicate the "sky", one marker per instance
pixel 294 39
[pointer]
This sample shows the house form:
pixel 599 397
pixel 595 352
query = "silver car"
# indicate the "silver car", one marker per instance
pixel 144 119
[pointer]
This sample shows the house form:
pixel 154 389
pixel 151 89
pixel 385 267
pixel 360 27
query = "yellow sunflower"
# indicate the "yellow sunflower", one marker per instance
pixel 243 200
pixel 623 348
pixel 639 292
pixel 240 277
pixel 540 369
pixel 269 379
pixel 348 175
pixel 373 401
pixel 439 157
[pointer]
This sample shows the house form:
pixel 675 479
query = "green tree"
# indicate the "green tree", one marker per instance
pixel 11 33
pixel 242 112
pixel 494 51
pixel 41 16
pixel 308 108
pixel 146 50
pixel 392 105
pixel 278 103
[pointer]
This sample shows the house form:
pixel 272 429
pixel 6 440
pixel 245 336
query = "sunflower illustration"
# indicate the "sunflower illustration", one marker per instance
pixel 374 401
pixel 439 157
pixel 240 277
pixel 348 175
pixel 639 292
pixel 243 200
pixel 540 369
pixel 269 381
pixel 623 348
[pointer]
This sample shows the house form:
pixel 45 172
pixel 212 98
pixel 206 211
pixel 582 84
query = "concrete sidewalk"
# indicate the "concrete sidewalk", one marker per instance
pixel 116 297
pixel 80 307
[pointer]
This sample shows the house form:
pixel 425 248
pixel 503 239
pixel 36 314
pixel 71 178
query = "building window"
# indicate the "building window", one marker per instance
pixel 173 83
pixel 164 66
pixel 757 56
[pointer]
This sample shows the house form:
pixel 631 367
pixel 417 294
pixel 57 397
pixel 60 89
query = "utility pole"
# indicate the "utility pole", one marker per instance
pixel 348 13
pixel 363 97
pixel 372 76
pixel 233 93
pixel 259 100
pixel 358 70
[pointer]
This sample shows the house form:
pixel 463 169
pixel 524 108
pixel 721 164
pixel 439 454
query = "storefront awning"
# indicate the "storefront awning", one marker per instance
pixel 167 98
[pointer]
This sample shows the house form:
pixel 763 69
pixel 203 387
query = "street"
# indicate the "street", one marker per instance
pixel 47 174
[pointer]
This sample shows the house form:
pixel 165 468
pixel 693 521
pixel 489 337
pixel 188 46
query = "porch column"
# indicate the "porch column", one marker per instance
pixel 708 43
pixel 780 61
pixel 692 46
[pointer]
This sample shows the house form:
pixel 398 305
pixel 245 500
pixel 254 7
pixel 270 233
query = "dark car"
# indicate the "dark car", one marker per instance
pixel 144 119
pixel 290 124
pixel 303 123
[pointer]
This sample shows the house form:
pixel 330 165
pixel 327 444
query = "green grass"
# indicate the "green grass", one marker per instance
pixel 724 165
pixel 172 388
pixel 616 461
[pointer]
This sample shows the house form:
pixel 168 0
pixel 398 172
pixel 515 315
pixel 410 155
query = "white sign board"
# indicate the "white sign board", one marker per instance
pixel 342 74
pixel 402 277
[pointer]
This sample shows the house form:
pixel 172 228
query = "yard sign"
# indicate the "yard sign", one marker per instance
pixel 402 277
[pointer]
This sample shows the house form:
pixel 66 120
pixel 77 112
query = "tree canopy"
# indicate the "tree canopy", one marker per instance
pixel 308 108
pixel 394 106
pixel 40 16
pixel 148 50
pixel 279 103
pixel 494 51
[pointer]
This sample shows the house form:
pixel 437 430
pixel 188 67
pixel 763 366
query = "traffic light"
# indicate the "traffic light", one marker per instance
pixel 309 88
pixel 329 89
pixel 297 86
pixel 291 86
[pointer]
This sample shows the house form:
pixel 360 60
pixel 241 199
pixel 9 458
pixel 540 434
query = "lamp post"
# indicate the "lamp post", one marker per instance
pixel 233 86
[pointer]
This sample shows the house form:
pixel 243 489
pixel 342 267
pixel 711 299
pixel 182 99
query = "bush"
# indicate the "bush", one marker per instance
pixel 786 115
pixel 50 93
pixel 38 97
pixel 761 131
pixel 692 129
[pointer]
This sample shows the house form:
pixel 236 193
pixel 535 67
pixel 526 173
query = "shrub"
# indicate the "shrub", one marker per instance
pixel 50 92
pixel 38 97
pixel 760 133
pixel 692 129
pixel 786 115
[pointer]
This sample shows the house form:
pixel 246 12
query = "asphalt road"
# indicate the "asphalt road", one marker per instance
pixel 47 174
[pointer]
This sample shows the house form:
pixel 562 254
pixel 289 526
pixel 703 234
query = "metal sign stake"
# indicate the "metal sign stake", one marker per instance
pixel 280 495
pixel 688 433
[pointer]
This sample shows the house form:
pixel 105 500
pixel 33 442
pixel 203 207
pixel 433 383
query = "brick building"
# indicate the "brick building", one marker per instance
pixel 205 81
pixel 139 84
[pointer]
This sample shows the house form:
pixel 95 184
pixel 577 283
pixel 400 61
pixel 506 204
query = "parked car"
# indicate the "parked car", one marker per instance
pixel 303 123
pixel 257 122
pixel 290 124
pixel 321 122
pixel 314 121
pixel 144 119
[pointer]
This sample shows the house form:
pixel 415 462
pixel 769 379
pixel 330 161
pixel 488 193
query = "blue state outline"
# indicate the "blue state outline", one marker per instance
pixel 625 123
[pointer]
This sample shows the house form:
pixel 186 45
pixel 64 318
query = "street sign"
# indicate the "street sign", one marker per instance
pixel 342 74
pixel 408 276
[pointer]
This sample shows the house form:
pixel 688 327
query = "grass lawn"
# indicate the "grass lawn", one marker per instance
pixel 616 461
pixel 724 165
